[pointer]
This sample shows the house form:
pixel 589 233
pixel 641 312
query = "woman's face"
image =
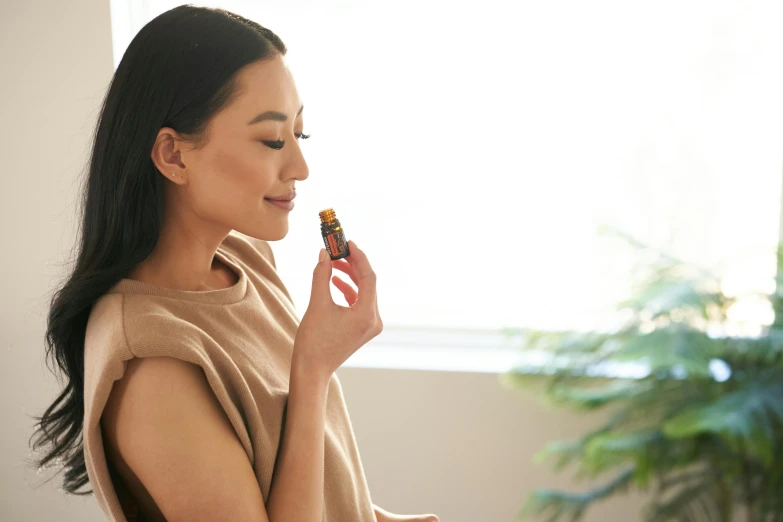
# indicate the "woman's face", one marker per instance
pixel 226 180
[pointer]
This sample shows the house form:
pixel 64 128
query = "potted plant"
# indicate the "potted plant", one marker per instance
pixel 700 424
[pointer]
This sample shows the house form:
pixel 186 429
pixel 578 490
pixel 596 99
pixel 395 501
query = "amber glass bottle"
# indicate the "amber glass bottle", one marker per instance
pixel 333 234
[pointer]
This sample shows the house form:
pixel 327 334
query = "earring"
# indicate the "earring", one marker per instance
pixel 173 173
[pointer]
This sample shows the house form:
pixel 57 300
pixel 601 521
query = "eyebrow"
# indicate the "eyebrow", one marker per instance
pixel 272 115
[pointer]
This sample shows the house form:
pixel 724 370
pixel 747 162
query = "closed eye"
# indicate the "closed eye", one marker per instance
pixel 278 144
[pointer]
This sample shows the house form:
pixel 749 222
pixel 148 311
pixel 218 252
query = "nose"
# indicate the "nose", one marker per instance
pixel 298 168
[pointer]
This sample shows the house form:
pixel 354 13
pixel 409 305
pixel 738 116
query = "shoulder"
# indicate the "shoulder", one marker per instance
pixel 121 328
pixel 105 344
pixel 125 326
pixel 156 347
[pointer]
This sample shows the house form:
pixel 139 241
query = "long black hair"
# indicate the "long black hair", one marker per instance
pixel 178 71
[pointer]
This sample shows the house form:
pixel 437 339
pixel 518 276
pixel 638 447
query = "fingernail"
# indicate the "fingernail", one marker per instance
pixel 322 255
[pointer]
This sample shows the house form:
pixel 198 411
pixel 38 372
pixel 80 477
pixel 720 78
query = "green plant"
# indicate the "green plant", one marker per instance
pixel 700 427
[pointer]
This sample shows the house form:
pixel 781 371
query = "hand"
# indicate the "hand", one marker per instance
pixel 384 516
pixel 330 333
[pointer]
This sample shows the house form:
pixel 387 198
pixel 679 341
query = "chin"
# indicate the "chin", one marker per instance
pixel 266 233
pixel 279 236
pixel 274 233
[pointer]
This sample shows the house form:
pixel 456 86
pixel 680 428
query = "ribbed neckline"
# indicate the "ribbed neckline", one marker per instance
pixel 228 295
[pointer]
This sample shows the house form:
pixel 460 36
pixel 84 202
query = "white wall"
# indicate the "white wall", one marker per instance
pixel 55 62
pixel 456 444
pixel 459 444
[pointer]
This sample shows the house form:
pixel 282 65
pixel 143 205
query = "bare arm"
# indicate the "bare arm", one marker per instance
pixel 165 425
pixel 299 472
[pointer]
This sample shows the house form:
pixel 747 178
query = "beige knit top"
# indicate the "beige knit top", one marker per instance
pixel 242 337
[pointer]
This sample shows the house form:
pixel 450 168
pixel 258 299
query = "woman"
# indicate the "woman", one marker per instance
pixel 197 392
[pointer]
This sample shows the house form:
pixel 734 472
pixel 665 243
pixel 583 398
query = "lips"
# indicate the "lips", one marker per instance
pixel 285 197
pixel 284 204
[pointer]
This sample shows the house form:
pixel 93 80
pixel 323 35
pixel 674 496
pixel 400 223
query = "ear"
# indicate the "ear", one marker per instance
pixel 166 155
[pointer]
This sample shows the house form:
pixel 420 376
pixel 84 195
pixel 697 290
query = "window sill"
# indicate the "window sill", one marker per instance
pixel 438 349
pixel 433 359
pixel 476 351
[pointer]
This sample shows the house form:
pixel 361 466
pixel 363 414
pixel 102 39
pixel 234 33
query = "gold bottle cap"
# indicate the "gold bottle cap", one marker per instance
pixel 327 215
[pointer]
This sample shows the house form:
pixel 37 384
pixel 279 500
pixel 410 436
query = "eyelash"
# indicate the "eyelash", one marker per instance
pixel 277 145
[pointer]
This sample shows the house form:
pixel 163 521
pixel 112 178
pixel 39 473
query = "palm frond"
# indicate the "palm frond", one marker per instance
pixel 749 418
pixel 695 502
pixel 598 395
pixel 566 451
pixel 556 504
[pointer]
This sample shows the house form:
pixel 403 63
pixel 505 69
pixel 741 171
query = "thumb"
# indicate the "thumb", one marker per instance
pixel 322 275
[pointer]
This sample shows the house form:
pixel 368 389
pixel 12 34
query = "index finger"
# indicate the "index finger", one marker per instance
pixel 365 275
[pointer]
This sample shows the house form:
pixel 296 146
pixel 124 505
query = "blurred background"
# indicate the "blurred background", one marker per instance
pixel 480 152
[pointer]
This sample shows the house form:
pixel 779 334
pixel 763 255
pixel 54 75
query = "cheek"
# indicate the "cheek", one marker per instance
pixel 233 179
pixel 244 168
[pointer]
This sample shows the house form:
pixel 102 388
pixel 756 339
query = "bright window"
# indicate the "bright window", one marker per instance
pixel 472 148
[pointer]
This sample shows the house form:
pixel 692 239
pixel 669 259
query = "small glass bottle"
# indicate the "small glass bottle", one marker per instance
pixel 333 235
